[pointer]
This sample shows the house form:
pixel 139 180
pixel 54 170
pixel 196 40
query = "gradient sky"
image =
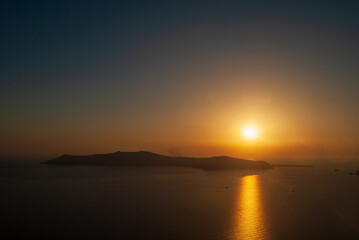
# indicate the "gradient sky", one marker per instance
pixel 180 78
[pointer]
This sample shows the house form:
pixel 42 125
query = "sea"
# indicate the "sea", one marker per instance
pixel 82 202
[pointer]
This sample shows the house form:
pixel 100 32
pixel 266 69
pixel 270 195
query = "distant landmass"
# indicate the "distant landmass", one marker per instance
pixel 292 165
pixel 149 159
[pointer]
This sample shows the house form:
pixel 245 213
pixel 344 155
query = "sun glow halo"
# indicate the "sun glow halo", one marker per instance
pixel 250 132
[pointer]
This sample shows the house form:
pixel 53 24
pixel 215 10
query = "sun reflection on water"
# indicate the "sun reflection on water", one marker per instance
pixel 248 222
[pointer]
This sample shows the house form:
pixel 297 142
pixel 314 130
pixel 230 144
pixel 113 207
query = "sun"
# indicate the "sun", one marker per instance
pixel 250 132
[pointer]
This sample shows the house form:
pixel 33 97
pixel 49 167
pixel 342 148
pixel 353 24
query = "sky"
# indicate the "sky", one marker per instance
pixel 180 78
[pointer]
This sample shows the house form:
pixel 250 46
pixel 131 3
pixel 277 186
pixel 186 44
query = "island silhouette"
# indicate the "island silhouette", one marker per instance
pixel 149 159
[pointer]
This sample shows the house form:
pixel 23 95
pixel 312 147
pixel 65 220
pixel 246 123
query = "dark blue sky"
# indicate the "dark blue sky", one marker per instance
pixel 117 70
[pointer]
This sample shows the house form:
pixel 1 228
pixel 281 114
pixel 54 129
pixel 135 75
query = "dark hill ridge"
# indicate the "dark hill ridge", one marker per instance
pixel 148 159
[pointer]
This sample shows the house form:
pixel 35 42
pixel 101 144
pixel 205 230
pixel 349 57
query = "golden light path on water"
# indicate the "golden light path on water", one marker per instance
pixel 248 221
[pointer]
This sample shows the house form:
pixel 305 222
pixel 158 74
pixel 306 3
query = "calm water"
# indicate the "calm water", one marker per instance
pixel 50 202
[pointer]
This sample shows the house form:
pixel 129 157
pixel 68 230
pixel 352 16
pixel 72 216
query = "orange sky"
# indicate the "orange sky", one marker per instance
pixel 291 124
pixel 180 79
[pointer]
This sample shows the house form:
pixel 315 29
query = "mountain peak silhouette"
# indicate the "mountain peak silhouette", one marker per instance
pixel 149 159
